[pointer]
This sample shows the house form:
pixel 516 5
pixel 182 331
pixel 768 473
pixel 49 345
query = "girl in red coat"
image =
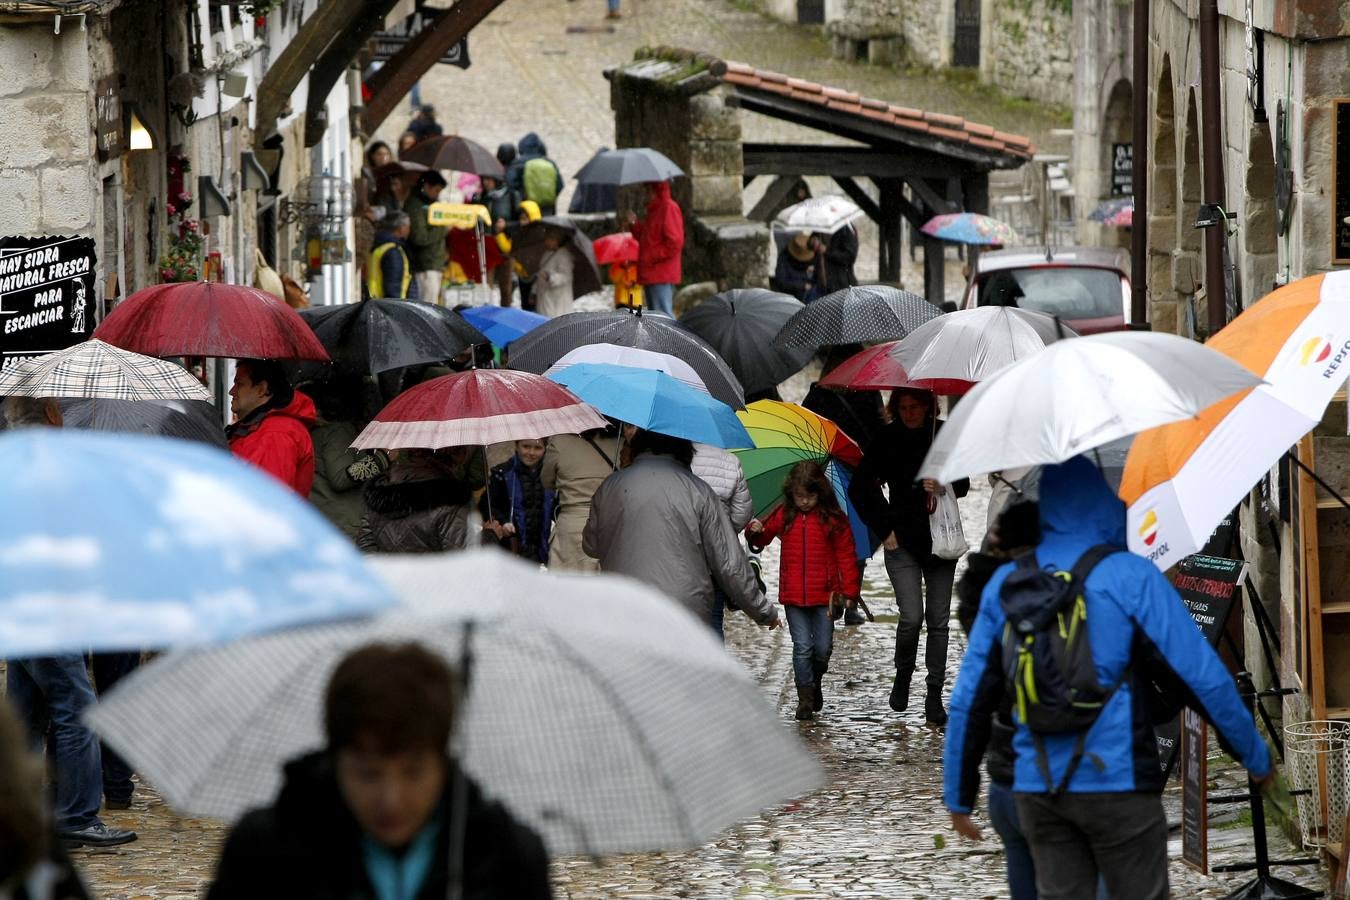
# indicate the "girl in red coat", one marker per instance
pixel 817 560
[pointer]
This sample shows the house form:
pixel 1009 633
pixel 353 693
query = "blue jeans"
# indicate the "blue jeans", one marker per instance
pixel 53 692
pixel 1016 851
pixel 812 641
pixel 659 298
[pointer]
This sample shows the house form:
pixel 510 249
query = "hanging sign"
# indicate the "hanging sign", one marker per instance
pixel 46 295
pixel 1194 791
pixel 388 43
pixel 1340 180
pixel 109 139
pixel 1122 170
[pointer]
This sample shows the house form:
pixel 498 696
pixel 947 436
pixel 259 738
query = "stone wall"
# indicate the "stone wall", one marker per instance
pixel 893 32
pixel 1028 49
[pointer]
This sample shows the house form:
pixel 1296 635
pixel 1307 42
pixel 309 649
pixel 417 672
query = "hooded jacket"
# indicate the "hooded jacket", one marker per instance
pixel 1134 617
pixel 531 146
pixel 817 558
pixel 660 238
pixel 278 442
pixel 308 846
pixel 721 471
pixel 657 522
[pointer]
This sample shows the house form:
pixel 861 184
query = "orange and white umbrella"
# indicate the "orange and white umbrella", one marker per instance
pixel 1181 479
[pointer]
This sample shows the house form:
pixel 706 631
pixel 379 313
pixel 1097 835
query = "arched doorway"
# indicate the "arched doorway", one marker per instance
pixel 1116 134
pixel 1260 237
pixel 1162 211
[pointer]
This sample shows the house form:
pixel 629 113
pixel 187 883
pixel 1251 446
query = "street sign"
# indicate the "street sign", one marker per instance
pixel 1122 170
pixel 109 138
pixel 1194 791
pixel 46 295
pixel 388 43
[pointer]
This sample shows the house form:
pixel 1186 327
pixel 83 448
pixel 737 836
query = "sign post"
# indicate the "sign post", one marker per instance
pixel 1194 791
pixel 46 295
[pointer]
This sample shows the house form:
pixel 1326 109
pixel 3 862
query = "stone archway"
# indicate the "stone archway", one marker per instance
pixel 1117 128
pixel 1162 211
pixel 1188 266
pixel 1260 237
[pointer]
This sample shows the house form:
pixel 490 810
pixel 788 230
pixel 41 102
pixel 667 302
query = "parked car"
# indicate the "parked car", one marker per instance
pixel 1087 287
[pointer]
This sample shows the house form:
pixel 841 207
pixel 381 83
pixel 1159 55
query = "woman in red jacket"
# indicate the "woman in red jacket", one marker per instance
pixel 660 247
pixel 817 560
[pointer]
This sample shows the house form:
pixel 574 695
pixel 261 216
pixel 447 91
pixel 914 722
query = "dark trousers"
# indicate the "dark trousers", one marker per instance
pixel 1074 838
pixel 50 694
pixel 110 668
pixel 923 594
pixel 1016 852
pixel 719 612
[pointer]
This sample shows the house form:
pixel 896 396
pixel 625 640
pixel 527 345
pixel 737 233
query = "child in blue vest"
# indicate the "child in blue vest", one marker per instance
pixel 517 509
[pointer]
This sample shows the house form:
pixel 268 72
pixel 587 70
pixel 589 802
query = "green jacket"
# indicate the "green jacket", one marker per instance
pixel 334 493
pixel 426 243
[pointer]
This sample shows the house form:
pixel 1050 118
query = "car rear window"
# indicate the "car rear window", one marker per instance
pixel 1070 293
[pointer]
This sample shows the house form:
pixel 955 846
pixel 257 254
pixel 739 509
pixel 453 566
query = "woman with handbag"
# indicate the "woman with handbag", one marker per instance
pixel 815 568
pixel 921 578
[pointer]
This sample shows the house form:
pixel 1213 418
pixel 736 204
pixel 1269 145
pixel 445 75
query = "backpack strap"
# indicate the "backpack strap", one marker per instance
pixel 1089 560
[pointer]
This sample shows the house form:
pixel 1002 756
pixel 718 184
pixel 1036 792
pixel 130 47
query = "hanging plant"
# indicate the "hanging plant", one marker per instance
pixel 180 260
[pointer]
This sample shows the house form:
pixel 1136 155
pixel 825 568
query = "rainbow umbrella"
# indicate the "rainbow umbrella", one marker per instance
pixel 969 228
pixel 786 434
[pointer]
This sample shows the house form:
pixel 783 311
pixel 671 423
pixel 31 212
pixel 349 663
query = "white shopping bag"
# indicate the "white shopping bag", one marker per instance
pixel 949 540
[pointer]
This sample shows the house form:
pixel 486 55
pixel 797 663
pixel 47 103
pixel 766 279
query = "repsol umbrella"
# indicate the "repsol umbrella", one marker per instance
pixel 633 165
pixel 374 336
pixel 450 151
pixel 1181 479
pixel 741 325
pixel 544 346
pixel 864 314
pixel 527 246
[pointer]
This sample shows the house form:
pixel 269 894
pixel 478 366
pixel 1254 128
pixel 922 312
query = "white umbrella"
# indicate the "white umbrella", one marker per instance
pixel 98 369
pixel 633 357
pixel 1077 395
pixel 825 214
pixel 599 711
pixel 971 344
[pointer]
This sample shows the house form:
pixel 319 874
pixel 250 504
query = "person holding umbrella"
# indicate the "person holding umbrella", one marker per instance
pixel 426 242
pixel 373 814
pixel 797 268
pixel 553 296
pixel 272 423
pixel 660 246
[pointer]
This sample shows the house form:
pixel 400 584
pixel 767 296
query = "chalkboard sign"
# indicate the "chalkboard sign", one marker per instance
pixel 1340 175
pixel 1194 791
pixel 46 295
pixel 1122 170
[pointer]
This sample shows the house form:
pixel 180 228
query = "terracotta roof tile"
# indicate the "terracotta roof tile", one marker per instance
pixel 979 130
pixel 945 120
pixel 907 112
pixel 844 106
pixel 774 77
pixel 870 103
pixel 806 87
pixel 735 68
pixel 1012 140
pixel 877 115
pixel 844 96
pixel 746 78
pixel 910 124
pixel 986 144
pixel 949 134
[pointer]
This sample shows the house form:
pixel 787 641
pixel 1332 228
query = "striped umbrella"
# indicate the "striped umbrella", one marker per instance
pixel 1181 479
pixel 786 434
pixel 864 314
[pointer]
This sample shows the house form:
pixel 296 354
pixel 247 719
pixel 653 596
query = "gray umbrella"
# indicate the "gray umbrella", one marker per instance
pixel 740 325
pixel 548 343
pixel 865 314
pixel 193 420
pixel 630 166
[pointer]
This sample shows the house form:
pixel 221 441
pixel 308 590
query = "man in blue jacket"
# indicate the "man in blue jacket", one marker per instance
pixel 1109 819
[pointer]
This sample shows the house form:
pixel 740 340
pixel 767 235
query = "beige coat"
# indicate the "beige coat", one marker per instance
pixel 553 287
pixel 574 469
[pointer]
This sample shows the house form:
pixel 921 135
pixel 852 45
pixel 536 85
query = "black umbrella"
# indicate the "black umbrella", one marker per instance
pixel 867 314
pixel 548 343
pixel 378 335
pixel 741 325
pixel 450 151
pixel 594 198
pixel 634 165
pixel 527 247
pixel 193 420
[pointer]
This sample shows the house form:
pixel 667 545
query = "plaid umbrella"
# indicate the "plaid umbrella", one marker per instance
pixel 601 713
pixel 544 346
pixel 97 369
pixel 866 314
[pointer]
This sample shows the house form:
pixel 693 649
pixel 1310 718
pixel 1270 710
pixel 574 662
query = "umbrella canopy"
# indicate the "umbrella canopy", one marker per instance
pixel 1181 479
pixel 450 151
pixel 654 401
pixel 786 434
pixel 633 165
pixel 616 248
pixel 374 336
pixel 124 542
pixel 192 420
pixel 871 369
pixel 203 318
pixel 1118 212
pixel 98 369
pixel 960 348
pixel 527 247
pixel 477 407
pixel 1077 395
pixel 503 324
pixel 741 325
pixel 601 713
pixel 547 344
pixel 969 228
pixel 825 214
pixel 633 357
pixel 865 314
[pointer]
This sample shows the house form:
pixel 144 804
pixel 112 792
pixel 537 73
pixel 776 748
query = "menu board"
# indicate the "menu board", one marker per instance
pixel 1340 167
pixel 46 295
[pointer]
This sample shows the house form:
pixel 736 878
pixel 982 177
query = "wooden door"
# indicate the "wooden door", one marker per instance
pixel 811 12
pixel 966 50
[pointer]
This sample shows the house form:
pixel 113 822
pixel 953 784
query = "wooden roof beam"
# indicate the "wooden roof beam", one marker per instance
pixel 856 162
pixel 283 76
pixel 336 59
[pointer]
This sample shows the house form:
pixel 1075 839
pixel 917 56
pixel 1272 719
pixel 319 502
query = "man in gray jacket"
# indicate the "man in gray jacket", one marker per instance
pixel 657 522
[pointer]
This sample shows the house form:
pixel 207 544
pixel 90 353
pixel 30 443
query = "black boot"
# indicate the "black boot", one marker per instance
pixel 817 697
pixel 900 691
pixel 805 697
pixel 933 709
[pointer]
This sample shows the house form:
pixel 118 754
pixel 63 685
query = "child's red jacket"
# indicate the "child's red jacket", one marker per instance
pixel 817 557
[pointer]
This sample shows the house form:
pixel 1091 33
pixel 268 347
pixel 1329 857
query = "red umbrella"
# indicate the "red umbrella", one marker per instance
pixel 616 248
pixel 202 318
pixel 876 369
pixel 480 406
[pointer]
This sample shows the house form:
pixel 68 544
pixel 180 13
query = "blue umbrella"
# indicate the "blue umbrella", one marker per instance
pixel 654 401
pixel 122 542
pixel 503 324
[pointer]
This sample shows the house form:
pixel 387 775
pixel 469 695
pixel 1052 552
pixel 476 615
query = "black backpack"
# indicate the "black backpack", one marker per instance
pixel 1047 656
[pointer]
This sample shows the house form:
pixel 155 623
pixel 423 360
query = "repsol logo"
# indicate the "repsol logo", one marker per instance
pixel 1158 552
pixel 1336 360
